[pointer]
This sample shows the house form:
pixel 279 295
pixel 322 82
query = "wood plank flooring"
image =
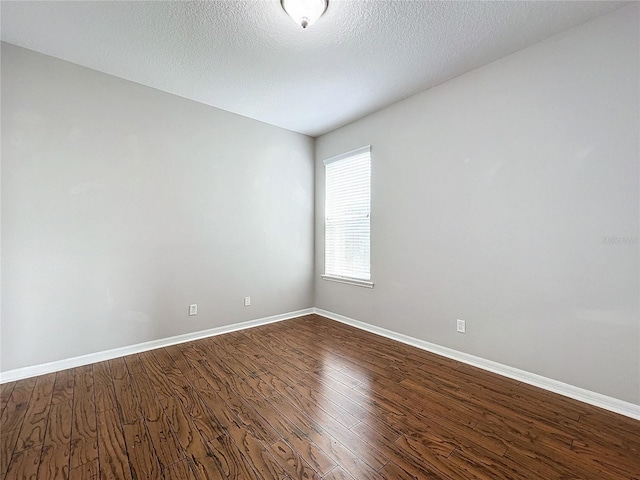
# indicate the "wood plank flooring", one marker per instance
pixel 307 398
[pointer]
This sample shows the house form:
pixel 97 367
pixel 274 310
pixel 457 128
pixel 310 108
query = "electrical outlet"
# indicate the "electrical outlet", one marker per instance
pixel 247 301
pixel 193 309
pixel 461 326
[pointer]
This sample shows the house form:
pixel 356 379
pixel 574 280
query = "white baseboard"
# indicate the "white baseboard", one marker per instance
pixel 26 372
pixel 608 403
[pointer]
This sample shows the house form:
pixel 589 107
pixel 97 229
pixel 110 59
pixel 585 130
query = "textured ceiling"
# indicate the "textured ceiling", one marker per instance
pixel 248 57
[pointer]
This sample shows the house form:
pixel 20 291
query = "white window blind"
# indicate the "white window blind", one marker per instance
pixel 347 216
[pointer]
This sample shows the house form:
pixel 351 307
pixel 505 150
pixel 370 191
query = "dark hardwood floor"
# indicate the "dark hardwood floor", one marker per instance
pixel 305 398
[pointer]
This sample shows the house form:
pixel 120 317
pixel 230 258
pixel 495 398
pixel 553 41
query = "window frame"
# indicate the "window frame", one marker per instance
pixel 360 282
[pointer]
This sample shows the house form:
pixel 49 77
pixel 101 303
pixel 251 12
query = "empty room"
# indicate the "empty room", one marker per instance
pixel 320 239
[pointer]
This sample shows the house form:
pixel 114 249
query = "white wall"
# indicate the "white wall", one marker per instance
pixel 121 205
pixel 492 194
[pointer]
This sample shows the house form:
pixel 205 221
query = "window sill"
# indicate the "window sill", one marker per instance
pixel 348 281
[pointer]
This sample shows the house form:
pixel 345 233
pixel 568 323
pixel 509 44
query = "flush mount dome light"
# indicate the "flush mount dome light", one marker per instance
pixel 305 12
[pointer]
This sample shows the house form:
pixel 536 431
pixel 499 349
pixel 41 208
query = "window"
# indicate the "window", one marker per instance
pixel 347 218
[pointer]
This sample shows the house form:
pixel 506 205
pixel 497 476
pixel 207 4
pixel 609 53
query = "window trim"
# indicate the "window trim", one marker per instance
pixel 352 153
pixel 337 278
pixel 348 281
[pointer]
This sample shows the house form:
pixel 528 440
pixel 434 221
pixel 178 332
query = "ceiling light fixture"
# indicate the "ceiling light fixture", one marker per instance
pixel 305 12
